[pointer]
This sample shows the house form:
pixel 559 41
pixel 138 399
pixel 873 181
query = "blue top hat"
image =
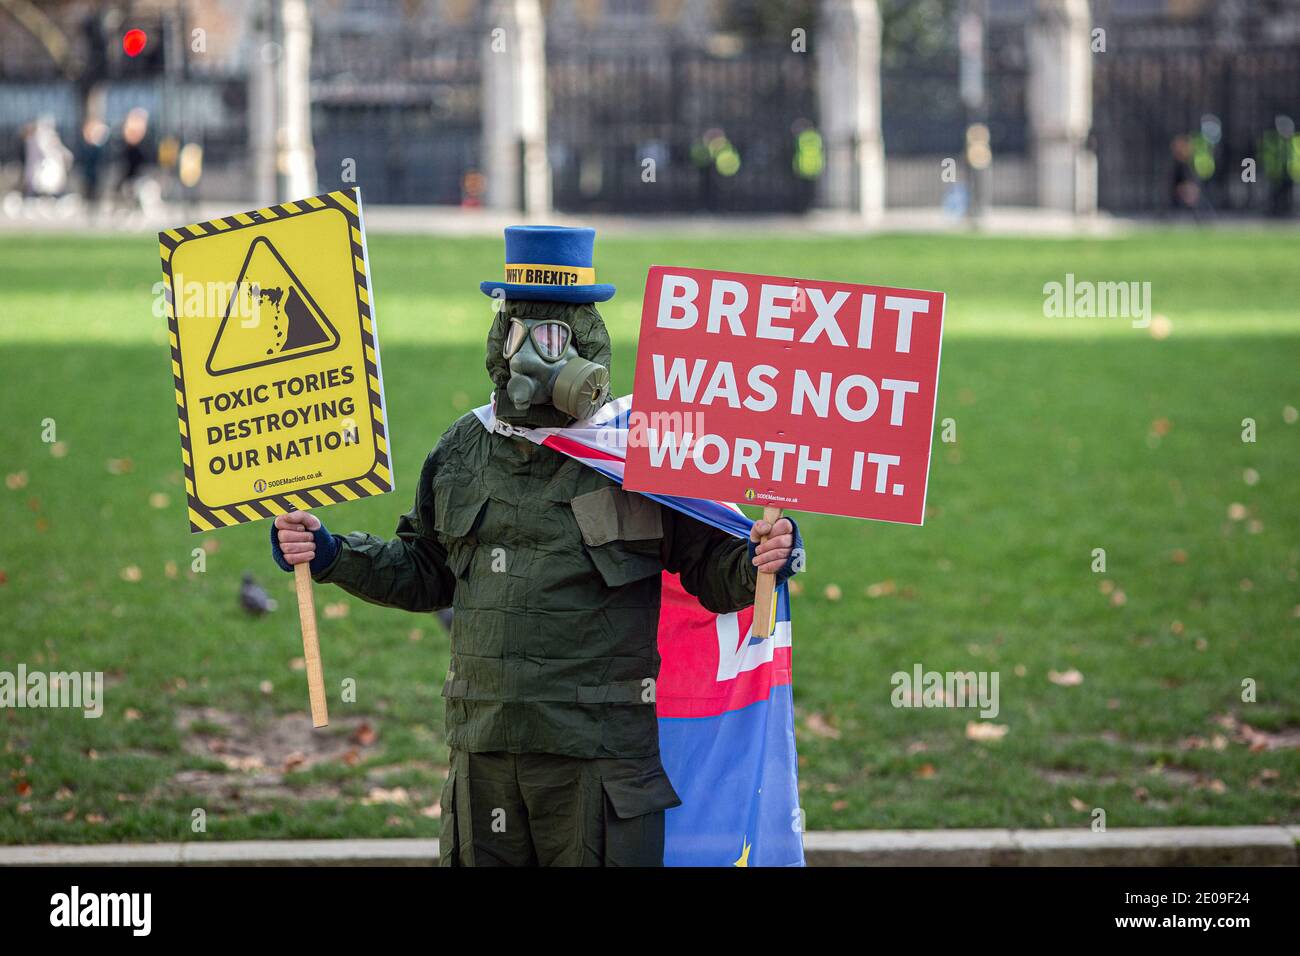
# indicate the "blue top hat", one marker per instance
pixel 549 264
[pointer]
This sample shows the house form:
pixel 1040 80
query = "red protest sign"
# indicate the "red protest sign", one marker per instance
pixel 798 393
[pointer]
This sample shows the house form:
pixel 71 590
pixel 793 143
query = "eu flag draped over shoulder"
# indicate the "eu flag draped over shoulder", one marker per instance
pixel 724 698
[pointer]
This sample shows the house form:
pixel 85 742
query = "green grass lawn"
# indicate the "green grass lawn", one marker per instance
pixel 1073 434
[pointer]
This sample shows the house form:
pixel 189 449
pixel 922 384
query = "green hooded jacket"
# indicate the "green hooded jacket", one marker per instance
pixel 554 574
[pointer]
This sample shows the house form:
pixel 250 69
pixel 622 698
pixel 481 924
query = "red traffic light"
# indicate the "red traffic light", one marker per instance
pixel 133 42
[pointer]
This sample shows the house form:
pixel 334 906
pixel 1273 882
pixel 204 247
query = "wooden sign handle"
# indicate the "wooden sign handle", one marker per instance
pixel 765 590
pixel 310 645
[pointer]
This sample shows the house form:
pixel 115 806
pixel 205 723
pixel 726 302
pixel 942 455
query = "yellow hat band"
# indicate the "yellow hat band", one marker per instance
pixel 528 273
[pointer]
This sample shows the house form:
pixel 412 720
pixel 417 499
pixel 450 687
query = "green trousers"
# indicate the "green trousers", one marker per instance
pixel 504 809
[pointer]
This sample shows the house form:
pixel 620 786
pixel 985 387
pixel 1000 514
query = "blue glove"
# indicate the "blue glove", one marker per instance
pixel 327 548
pixel 796 554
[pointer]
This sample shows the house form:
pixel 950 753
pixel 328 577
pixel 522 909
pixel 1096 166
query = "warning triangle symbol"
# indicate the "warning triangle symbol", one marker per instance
pixel 271 316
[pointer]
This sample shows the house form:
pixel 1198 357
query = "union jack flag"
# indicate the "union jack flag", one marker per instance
pixel 724 697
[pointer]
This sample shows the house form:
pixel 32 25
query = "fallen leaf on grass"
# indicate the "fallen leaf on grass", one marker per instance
pixel 119 466
pixel 16 481
pixel 336 610
pixel 130 573
pixel 397 795
pixel 925 771
pixel 23 789
pixel 159 500
pixel 59 449
pixel 294 761
pixel 981 730
pixel 242 764
pixel 832 592
pixel 1265 776
pixel 365 735
pixel 1070 678
pixel 94 819
pixel 131 714
pixel 1078 805
pixel 433 810
pixel 819 726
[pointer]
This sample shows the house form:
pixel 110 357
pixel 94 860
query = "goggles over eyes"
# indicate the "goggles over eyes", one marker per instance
pixel 550 339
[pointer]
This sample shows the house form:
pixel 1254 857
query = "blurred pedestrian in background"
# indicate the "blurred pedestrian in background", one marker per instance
pixel 1192 165
pixel 134 190
pixel 1279 150
pixel 90 158
pixel 46 161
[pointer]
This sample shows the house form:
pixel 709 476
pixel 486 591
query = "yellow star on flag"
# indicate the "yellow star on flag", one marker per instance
pixel 744 856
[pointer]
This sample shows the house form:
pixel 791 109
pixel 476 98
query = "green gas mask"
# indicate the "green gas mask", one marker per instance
pixel 549 362
pixel 546 369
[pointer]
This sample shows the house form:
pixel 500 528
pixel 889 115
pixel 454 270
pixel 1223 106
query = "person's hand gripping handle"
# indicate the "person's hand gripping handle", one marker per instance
pixel 774 536
pixel 298 535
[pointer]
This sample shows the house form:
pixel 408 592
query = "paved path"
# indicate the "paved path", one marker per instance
pixel 456 221
pixel 1160 846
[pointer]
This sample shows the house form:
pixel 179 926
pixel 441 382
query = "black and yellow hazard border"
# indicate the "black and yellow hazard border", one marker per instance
pixel 380 477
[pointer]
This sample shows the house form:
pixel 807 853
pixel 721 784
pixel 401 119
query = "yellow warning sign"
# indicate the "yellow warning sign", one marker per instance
pixel 275 360
pixel 295 327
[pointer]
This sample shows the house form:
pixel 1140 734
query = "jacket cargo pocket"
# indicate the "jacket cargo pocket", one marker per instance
pixel 612 514
pixel 620 562
pixel 457 510
pixel 634 818
pixel 621 532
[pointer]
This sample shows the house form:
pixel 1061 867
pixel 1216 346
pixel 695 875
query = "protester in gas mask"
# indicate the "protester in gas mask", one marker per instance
pixel 554 575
